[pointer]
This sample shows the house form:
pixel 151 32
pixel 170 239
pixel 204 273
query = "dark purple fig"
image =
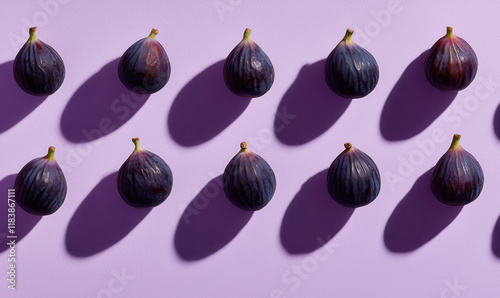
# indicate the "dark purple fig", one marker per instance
pixel 451 63
pixel 144 68
pixel 38 68
pixel 248 72
pixel 248 180
pixel 353 178
pixel 41 186
pixel 144 180
pixel 457 179
pixel 350 70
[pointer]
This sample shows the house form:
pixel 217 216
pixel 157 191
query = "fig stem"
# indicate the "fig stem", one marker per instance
pixel 454 143
pixel 153 33
pixel 348 146
pixel 246 34
pixel 50 154
pixel 137 144
pixel 348 34
pixel 243 147
pixel 32 37
pixel 449 32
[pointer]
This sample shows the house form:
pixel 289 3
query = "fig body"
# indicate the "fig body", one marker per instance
pixel 353 178
pixel 451 64
pixel 350 70
pixel 38 68
pixel 40 185
pixel 144 180
pixel 457 179
pixel 248 72
pixel 248 180
pixel 144 68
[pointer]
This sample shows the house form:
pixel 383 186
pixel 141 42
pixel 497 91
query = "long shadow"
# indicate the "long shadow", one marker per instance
pixel 101 220
pixel 16 104
pixel 204 108
pixel 496 122
pixel 413 104
pixel 312 218
pixel 208 223
pixel 25 221
pixel 308 108
pixel 495 239
pixel 418 218
pixel 100 106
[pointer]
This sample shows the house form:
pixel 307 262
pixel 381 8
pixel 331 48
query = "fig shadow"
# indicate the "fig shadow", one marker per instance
pixel 25 221
pixel 101 220
pixel 204 108
pixel 308 108
pixel 100 106
pixel 418 218
pixel 312 218
pixel 16 104
pixel 496 122
pixel 413 103
pixel 208 223
pixel 495 239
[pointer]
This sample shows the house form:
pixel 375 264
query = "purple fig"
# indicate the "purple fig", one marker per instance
pixel 457 179
pixel 451 64
pixel 144 68
pixel 38 68
pixel 40 185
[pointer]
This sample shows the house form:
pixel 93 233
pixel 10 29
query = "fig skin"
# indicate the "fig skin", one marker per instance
pixel 144 180
pixel 248 71
pixel 457 179
pixel 451 64
pixel 144 68
pixel 38 68
pixel 350 70
pixel 353 178
pixel 248 180
pixel 40 185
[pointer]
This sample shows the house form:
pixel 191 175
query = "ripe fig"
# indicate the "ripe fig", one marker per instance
pixel 451 63
pixel 40 185
pixel 350 70
pixel 248 180
pixel 248 72
pixel 353 178
pixel 144 68
pixel 144 180
pixel 457 179
pixel 38 68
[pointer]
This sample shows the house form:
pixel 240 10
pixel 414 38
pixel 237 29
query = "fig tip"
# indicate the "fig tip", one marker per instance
pixel 348 146
pixel 243 145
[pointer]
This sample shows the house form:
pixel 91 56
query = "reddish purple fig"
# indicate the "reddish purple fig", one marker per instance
pixel 457 179
pixel 40 185
pixel 145 68
pixel 451 64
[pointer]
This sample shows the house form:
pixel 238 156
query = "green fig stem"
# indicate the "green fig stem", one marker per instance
pixel 246 34
pixel 153 33
pixel 454 143
pixel 348 35
pixel 449 32
pixel 348 146
pixel 137 144
pixel 32 37
pixel 243 147
pixel 50 155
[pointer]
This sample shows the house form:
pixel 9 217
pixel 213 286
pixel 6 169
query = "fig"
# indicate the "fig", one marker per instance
pixel 248 72
pixel 451 63
pixel 353 179
pixel 40 185
pixel 38 68
pixel 457 179
pixel 350 70
pixel 144 68
pixel 248 180
pixel 144 180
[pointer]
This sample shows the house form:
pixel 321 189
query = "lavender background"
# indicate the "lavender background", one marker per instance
pixel 405 244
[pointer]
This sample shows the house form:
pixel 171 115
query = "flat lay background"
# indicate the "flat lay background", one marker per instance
pixel 303 244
